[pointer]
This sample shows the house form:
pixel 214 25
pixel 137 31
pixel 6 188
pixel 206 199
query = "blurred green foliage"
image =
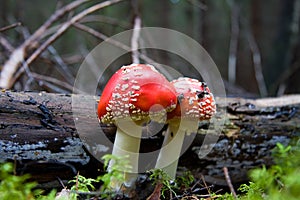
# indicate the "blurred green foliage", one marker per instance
pixel 18 187
pixel 277 182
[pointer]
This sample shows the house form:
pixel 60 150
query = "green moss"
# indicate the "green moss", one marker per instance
pixel 18 187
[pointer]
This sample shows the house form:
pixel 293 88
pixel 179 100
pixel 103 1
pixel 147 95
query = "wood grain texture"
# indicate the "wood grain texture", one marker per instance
pixel 49 137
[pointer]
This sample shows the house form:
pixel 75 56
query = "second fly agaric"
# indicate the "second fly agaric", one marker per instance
pixel 195 102
pixel 134 94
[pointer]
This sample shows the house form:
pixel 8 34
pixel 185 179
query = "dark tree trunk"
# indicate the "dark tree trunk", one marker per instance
pixel 38 133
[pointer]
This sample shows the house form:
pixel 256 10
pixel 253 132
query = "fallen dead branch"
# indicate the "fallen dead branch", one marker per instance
pixel 38 130
pixel 17 62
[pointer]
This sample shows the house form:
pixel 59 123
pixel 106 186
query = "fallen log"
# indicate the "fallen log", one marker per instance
pixel 57 135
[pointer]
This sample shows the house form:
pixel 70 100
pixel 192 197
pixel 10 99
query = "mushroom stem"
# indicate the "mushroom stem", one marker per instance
pixel 169 153
pixel 127 143
pixel 171 148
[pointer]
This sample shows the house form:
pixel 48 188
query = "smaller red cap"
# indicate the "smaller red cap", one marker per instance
pixel 194 100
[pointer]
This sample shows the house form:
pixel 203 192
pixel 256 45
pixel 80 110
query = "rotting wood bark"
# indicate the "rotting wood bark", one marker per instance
pixel 38 132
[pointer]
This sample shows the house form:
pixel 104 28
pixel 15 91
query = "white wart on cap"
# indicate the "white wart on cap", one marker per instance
pixel 133 91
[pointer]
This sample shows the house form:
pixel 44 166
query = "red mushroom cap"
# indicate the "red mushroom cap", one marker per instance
pixel 194 100
pixel 134 91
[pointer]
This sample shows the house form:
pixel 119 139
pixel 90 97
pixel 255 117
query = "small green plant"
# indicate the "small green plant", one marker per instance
pixel 251 191
pixel 115 174
pixel 81 184
pixel 50 196
pixel 184 181
pixel 226 196
pixel 18 187
pixel 159 176
pixel 279 181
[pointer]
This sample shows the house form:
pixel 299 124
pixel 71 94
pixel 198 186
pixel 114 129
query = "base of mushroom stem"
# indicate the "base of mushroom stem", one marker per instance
pixel 128 191
pixel 127 188
pixel 130 180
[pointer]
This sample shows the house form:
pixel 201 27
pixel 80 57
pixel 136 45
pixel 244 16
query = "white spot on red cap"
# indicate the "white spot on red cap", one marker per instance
pixel 196 99
pixel 130 89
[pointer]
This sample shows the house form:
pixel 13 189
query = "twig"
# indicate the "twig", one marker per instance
pixel 6 44
pixel 257 65
pixel 73 59
pixel 228 180
pixel 18 55
pixel 54 81
pixel 30 78
pixel 135 40
pixel 204 182
pixel 76 185
pixel 233 43
pixel 67 24
pixel 156 192
pixel 107 20
pixel 101 36
pixel 5 28
pixel 63 28
pixel 63 68
pixel 61 182
pixel 60 31
pixel 57 15
pixel 135 32
pixel 52 88
pixel 292 59
pixel 119 44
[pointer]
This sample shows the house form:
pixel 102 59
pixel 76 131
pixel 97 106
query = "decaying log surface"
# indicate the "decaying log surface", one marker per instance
pixel 48 136
pixel 252 128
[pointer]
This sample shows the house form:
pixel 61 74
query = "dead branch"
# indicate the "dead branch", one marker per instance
pixel 293 62
pixel 54 81
pixel 135 32
pixel 101 36
pixel 6 44
pixel 38 128
pixel 135 40
pixel 60 31
pixel 228 180
pixel 66 25
pixel 62 67
pixel 57 15
pixel 106 19
pixel 12 65
pixel 10 26
pixel 234 37
pixel 19 54
pixel 120 45
pixel 256 57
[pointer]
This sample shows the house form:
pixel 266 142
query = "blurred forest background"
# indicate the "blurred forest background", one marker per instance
pixel 254 43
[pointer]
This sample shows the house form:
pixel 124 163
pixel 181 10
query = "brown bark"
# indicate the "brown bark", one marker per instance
pixel 38 132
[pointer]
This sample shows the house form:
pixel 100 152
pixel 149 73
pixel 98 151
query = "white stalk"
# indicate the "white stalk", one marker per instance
pixel 171 149
pixel 127 143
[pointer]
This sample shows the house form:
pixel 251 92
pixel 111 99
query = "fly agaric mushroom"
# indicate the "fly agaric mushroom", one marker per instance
pixel 134 94
pixel 195 103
